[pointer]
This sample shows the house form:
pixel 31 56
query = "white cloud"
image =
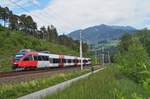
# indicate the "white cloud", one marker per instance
pixel 35 1
pixel 68 15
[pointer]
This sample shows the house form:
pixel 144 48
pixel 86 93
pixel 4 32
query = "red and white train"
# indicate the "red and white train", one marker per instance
pixel 33 59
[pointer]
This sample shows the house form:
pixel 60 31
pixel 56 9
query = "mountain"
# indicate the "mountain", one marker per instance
pixel 100 33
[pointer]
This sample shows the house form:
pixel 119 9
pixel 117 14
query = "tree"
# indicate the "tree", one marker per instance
pixel 126 40
pixel 4 14
pixel 14 22
pixel 49 34
pixel 54 33
pixel 43 32
pixel 22 23
pixel 144 36
pixel 27 24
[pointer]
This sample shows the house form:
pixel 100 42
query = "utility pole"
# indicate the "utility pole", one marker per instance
pixel 99 56
pixel 95 56
pixel 109 61
pixel 81 50
pixel 103 56
pixel 103 62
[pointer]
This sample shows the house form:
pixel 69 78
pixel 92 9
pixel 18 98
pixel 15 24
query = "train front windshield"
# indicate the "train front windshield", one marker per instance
pixel 17 58
pixel 19 55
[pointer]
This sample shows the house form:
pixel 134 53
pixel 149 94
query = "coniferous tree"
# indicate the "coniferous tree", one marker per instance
pixel 4 15
pixel 13 22
pixel 43 32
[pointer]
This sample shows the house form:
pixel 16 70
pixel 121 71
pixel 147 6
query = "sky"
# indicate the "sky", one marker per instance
pixel 70 15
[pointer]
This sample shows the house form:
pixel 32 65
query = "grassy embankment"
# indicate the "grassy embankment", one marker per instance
pixel 106 84
pixel 12 91
pixel 11 41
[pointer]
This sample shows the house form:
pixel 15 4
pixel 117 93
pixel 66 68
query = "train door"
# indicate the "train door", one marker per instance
pixel 43 61
pixel 75 61
pixel 61 63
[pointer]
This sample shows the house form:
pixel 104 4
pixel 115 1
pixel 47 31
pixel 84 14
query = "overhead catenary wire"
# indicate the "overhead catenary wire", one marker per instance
pixel 27 12
pixel 60 19
pixel 41 19
pixel 46 15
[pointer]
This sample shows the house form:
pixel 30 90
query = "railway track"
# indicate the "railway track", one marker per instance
pixel 17 73
pixel 24 76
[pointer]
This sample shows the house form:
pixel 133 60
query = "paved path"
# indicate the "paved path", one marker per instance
pixel 52 89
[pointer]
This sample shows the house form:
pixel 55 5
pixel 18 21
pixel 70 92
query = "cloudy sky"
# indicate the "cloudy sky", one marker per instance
pixel 69 15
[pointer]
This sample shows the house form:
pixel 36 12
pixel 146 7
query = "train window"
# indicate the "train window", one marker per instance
pixel 28 58
pixel 75 61
pixel 64 60
pixel 85 61
pixel 17 58
pixel 40 58
pixel 35 58
pixel 69 60
pixel 44 58
pixel 55 60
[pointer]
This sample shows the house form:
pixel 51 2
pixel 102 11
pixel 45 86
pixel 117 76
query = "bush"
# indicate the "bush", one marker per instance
pixel 134 60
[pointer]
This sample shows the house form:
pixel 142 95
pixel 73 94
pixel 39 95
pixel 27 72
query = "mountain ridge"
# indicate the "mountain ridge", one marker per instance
pixel 101 32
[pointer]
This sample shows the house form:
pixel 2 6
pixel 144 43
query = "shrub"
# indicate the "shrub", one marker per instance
pixel 134 60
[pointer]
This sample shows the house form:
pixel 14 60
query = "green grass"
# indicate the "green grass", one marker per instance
pixel 106 84
pixel 12 41
pixel 11 91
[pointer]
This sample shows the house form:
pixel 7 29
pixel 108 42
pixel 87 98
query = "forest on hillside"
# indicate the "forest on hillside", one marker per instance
pixel 26 24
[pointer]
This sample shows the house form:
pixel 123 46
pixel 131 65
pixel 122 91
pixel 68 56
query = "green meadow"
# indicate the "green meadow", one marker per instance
pixel 107 84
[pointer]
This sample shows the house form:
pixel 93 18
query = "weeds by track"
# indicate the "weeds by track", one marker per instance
pixel 23 76
pixel 26 72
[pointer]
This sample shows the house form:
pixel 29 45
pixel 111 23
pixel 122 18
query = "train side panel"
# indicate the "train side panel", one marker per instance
pixel 27 61
pixel 42 60
pixel 68 61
